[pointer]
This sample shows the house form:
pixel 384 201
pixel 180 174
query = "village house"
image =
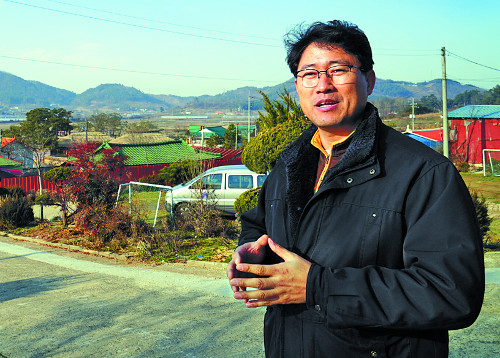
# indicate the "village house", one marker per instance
pixel 199 134
pixel 9 168
pixel 471 130
pixel 12 148
pixel 148 158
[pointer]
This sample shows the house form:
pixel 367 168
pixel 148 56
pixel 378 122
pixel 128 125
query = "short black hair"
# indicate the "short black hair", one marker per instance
pixel 338 33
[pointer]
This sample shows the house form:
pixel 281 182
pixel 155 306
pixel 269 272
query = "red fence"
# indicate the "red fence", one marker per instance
pixel 132 173
pixel 30 183
pixel 135 172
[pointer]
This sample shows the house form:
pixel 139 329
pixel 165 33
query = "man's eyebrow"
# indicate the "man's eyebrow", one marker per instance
pixel 313 65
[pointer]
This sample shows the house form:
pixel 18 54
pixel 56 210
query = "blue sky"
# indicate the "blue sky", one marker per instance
pixel 192 48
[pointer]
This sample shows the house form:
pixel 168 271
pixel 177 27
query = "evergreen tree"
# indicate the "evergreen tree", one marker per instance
pixel 214 141
pixel 492 96
pixel 282 123
pixel 230 136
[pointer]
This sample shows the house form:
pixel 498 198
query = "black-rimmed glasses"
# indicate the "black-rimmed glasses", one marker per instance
pixel 338 74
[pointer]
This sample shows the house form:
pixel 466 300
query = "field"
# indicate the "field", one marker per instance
pixel 489 188
pixel 145 203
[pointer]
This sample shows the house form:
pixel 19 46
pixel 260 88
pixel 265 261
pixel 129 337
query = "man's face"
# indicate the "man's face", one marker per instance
pixel 333 106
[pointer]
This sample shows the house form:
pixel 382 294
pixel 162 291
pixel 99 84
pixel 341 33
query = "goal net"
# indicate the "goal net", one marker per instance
pixel 145 199
pixel 491 162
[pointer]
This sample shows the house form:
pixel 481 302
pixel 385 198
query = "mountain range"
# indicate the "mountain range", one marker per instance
pixel 26 95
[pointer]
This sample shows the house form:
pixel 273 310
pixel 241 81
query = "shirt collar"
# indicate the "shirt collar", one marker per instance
pixel 316 142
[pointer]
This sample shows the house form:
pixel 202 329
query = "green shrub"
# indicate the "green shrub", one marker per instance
pixel 481 213
pixel 176 173
pixel 246 201
pixel 462 166
pixel 263 151
pixel 152 179
pixel 15 211
pixel 57 174
pixel 281 123
pixel 180 171
pixel 44 199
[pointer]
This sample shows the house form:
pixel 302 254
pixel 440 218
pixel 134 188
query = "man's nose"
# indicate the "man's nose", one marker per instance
pixel 324 83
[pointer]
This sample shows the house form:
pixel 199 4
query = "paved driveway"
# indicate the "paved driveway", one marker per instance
pixel 59 304
pixel 55 303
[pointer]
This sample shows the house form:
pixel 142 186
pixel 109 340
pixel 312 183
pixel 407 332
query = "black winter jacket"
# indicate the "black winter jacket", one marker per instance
pixel 395 247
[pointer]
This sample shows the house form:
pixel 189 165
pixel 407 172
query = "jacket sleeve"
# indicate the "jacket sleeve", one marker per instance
pixel 253 223
pixel 441 285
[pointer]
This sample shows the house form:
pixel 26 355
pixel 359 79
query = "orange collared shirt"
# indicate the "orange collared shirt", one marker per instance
pixel 326 161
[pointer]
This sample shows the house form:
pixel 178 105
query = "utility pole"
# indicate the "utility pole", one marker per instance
pixel 412 115
pixel 248 129
pixel 446 150
pixel 236 136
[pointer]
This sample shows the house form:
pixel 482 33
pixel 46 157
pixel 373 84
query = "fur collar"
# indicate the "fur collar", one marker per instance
pixel 300 160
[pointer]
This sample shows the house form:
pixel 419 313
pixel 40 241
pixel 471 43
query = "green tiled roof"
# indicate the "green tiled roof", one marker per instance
pixel 476 111
pixel 160 153
pixel 243 129
pixel 217 130
pixel 9 163
pixel 193 129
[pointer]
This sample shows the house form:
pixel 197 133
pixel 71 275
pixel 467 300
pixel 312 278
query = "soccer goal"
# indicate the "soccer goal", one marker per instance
pixel 146 198
pixel 491 162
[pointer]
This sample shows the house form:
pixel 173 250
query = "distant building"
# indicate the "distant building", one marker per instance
pixel 149 158
pixel 244 128
pixel 9 168
pixel 199 134
pixel 135 138
pixel 472 129
pixel 67 142
pixel 159 153
pixel 14 149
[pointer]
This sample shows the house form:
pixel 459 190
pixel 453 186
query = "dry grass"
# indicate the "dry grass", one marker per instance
pixel 489 188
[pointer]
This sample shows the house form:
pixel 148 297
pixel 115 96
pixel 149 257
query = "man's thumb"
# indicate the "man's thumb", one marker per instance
pixel 279 250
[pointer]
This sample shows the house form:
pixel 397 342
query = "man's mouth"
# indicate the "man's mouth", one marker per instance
pixel 326 104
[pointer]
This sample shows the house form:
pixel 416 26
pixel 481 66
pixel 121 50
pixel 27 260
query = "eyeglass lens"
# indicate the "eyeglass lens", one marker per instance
pixel 338 74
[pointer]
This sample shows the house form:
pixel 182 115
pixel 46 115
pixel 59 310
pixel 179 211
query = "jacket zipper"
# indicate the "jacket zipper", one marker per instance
pixel 323 173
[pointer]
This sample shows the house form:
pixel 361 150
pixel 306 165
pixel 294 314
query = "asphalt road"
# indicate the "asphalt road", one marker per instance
pixel 55 303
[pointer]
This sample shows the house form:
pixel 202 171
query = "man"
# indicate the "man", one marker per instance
pixel 364 242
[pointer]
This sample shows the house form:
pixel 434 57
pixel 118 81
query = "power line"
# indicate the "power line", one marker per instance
pixel 140 26
pixel 428 51
pixel 489 79
pixel 397 53
pixel 162 22
pixel 403 55
pixel 476 63
pixel 133 71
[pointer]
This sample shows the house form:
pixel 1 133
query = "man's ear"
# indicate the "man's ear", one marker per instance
pixel 370 80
